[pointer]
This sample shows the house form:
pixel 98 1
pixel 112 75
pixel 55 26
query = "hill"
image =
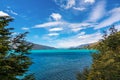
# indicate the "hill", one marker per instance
pixel 41 47
pixel 79 47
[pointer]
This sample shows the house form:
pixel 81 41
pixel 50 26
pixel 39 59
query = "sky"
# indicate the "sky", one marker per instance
pixel 62 23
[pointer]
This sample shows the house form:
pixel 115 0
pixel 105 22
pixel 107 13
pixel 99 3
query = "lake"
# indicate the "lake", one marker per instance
pixel 59 64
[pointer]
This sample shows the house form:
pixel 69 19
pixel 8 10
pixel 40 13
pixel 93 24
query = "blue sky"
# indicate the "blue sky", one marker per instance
pixel 62 23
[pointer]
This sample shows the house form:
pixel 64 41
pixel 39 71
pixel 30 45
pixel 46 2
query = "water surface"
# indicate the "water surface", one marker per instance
pixel 59 64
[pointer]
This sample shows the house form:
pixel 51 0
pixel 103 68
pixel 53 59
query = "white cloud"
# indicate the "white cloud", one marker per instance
pixel 70 4
pixel 56 29
pixel 3 14
pixel 12 12
pixel 97 12
pixel 48 24
pixel 79 40
pixel 74 25
pixel 76 29
pixel 82 33
pixel 89 1
pixel 63 26
pixel 53 34
pixel 66 4
pixel 25 28
pixel 56 16
pixel 79 8
pixel 77 5
pixel 114 16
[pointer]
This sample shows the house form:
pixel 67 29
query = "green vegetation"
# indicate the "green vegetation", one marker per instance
pixel 106 63
pixel 84 74
pixel 14 61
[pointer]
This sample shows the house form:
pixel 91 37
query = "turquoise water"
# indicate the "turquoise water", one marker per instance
pixel 59 64
pixel 61 50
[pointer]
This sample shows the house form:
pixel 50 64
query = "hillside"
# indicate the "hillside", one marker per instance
pixel 86 46
pixel 41 47
pixel 79 47
pixel 92 45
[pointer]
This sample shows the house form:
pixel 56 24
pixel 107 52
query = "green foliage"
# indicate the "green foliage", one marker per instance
pixel 14 60
pixel 29 77
pixel 83 75
pixel 106 64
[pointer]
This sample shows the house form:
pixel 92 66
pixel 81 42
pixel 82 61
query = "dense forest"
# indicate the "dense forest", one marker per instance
pixel 106 63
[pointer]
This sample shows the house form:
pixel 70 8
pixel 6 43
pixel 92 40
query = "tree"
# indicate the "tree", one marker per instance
pixel 106 63
pixel 84 74
pixel 14 60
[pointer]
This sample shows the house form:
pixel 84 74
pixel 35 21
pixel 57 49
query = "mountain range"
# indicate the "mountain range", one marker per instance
pixel 44 47
pixel 41 47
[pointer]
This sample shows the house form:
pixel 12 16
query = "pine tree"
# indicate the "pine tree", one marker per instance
pixel 14 60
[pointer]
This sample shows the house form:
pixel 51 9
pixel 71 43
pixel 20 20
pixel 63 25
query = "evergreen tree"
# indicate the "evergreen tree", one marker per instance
pixel 106 63
pixel 14 60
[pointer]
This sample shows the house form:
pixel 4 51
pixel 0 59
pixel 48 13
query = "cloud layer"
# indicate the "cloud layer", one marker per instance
pixel 98 12
pixel 58 26
pixel 114 16
pixel 79 39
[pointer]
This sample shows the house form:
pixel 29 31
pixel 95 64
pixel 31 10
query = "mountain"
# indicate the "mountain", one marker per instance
pixel 41 47
pixel 79 47
pixel 90 45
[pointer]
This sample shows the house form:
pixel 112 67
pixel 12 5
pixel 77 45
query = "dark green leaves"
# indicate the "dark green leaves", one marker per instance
pixel 14 60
